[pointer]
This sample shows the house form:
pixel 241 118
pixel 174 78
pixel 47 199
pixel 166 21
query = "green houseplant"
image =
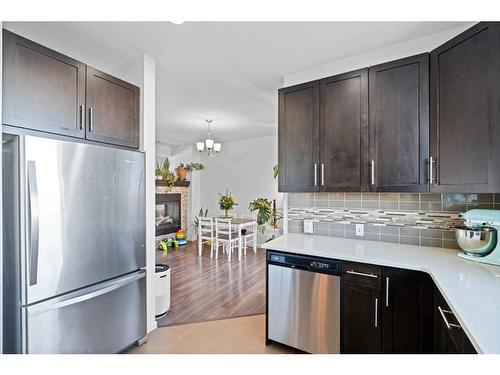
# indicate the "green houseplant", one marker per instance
pixel 267 213
pixel 226 203
pixel 183 169
pixel 162 170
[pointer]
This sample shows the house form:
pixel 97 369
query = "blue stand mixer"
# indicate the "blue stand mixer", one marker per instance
pixel 479 238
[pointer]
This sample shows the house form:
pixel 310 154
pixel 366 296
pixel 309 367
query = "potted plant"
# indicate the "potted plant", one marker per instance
pixel 226 203
pixel 183 169
pixel 162 171
pixel 267 213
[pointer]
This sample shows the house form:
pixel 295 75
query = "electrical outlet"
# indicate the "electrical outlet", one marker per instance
pixel 309 226
pixel 360 230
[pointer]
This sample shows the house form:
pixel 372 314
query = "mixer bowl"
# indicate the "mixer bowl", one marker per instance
pixel 477 241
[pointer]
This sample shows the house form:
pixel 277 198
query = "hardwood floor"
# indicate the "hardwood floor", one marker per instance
pixel 244 335
pixel 204 289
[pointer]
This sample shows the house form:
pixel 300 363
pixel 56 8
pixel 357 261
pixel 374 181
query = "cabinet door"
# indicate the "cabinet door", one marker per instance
pixel 344 132
pixel 113 110
pixel 449 336
pixel 399 125
pixel 42 89
pixel 406 312
pixel 361 319
pixel 298 134
pixel 465 111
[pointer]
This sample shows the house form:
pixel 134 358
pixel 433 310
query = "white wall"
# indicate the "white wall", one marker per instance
pixel 148 144
pixel 243 167
pixel 370 58
pixel 1 229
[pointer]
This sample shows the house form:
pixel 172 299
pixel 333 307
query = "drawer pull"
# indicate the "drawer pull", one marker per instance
pixel 362 274
pixel 448 325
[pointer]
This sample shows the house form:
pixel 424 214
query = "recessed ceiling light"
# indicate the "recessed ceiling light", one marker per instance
pixel 177 22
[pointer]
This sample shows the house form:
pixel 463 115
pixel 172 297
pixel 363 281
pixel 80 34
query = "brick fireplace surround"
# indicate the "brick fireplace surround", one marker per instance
pixel 183 191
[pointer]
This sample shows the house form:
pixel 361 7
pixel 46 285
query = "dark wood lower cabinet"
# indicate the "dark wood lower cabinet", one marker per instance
pixel 449 336
pixel 361 315
pixel 406 312
pixel 392 310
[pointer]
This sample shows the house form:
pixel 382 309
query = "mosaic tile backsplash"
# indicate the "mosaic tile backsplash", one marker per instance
pixel 408 218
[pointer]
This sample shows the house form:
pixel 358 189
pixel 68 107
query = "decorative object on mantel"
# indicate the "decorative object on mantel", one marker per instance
pixel 267 213
pixel 183 169
pixel 226 203
pixel 212 148
pixel 163 173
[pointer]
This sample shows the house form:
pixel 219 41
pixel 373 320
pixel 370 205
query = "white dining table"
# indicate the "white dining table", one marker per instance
pixel 242 223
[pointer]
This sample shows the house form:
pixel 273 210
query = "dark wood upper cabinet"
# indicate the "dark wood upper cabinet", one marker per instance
pixel 42 89
pixel 298 137
pixel 406 311
pixel 113 110
pixel 465 111
pixel 344 132
pixel 399 125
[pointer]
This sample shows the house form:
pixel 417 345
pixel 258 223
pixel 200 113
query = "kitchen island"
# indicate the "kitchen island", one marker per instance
pixel 472 290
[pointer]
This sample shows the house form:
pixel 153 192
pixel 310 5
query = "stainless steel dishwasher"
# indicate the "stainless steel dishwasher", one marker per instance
pixel 303 309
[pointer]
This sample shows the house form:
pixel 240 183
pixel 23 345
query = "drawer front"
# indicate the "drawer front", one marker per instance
pixel 363 274
pixel 99 319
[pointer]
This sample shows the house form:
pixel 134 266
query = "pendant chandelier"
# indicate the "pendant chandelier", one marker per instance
pixel 211 147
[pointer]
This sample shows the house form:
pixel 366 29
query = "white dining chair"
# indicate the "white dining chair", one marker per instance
pixel 206 234
pixel 225 236
pixel 248 238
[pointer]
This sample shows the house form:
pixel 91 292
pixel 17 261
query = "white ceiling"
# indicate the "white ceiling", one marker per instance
pixel 227 71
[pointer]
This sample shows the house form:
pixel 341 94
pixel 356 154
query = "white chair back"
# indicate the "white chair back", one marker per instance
pixel 206 226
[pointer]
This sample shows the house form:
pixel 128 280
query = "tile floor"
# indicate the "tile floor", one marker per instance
pixel 245 335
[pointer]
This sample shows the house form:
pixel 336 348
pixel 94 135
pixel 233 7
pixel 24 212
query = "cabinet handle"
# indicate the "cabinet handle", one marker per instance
pixel 372 172
pixel 315 174
pixel 431 170
pixel 81 117
pixel 376 312
pixel 91 119
pixel 322 174
pixel 448 325
pixel 386 292
pixel 361 274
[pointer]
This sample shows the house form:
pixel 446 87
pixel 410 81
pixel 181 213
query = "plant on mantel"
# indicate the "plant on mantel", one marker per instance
pixel 183 169
pixel 162 172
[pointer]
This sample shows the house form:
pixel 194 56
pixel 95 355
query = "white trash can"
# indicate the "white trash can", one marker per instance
pixel 162 290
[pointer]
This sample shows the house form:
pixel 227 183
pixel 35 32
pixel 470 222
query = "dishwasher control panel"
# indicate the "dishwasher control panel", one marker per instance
pixel 306 263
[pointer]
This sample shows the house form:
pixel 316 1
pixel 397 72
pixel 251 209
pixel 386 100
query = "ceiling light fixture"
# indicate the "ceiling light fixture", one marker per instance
pixel 211 146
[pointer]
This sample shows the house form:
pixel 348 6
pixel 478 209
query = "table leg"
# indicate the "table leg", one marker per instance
pixel 239 243
pixel 255 238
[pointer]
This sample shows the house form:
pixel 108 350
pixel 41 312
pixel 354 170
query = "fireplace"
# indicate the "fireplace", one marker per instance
pixel 168 213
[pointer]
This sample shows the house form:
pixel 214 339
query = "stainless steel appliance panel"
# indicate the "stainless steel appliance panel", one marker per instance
pixel 105 318
pixel 84 217
pixel 304 309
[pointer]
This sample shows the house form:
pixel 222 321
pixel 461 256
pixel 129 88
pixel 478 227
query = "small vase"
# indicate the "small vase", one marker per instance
pixel 226 216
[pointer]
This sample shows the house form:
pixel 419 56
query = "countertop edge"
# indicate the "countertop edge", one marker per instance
pixel 477 346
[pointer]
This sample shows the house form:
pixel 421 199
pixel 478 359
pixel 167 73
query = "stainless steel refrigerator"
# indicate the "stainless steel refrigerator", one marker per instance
pixel 74 246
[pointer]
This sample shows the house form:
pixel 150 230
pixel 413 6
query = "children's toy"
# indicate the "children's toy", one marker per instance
pixel 180 236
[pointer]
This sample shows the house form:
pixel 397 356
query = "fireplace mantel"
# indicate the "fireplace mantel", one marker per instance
pixel 177 183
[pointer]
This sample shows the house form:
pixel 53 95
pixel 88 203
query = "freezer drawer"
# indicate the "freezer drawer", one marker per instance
pixel 105 318
pixel 304 309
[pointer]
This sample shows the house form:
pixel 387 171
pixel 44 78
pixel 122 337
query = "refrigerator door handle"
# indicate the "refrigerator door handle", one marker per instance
pixel 34 223
pixel 77 297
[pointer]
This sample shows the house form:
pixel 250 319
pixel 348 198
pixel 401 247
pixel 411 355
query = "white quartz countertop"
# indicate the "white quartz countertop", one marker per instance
pixel 471 289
